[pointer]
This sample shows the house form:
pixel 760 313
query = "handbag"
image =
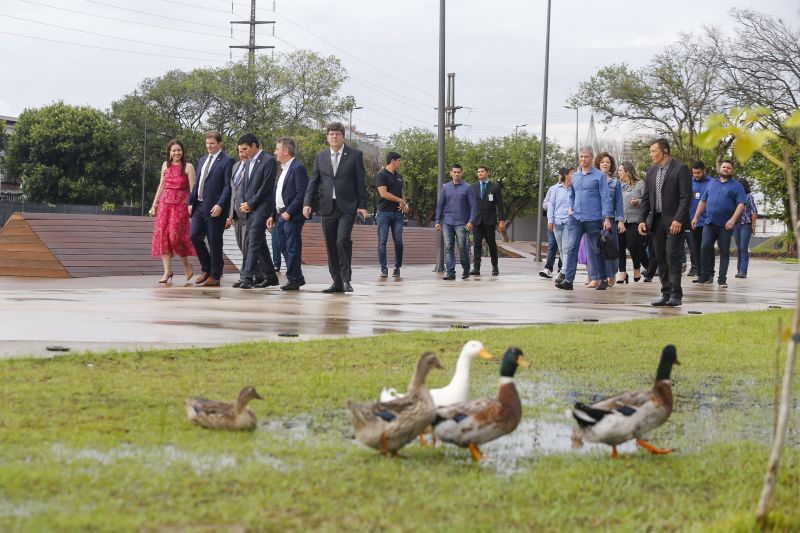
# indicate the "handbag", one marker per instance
pixel 608 245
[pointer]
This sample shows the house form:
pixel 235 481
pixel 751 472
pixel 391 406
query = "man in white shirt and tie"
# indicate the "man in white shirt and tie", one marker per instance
pixel 339 179
pixel 288 219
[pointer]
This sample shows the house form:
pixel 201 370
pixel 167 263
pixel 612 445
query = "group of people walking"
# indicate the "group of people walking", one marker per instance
pixel 608 211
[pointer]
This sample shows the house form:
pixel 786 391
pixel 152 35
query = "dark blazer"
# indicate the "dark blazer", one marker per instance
pixel 349 182
pixel 489 212
pixel 217 187
pixel 260 186
pixel 676 194
pixel 237 194
pixel 294 190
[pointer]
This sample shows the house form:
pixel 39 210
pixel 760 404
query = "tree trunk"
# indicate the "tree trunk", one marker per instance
pixel 786 394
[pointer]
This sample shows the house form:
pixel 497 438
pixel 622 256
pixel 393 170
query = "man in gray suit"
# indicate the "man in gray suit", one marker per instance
pixel 236 218
pixel 339 177
pixel 257 205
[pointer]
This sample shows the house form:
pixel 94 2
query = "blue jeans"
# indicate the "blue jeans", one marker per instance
pixel 552 247
pixel 278 247
pixel 393 220
pixel 712 233
pixel 561 235
pixel 742 234
pixel 593 261
pixel 576 230
pixel 451 233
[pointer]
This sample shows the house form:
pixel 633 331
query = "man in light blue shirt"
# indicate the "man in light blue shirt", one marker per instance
pixel 590 207
pixel 456 210
pixel 558 205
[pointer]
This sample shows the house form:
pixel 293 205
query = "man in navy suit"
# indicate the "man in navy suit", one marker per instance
pixel 257 205
pixel 288 219
pixel 339 176
pixel 211 192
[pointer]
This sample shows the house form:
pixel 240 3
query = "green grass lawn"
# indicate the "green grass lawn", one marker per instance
pixel 100 442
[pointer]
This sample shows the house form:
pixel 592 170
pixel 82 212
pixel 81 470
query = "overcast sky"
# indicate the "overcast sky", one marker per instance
pixel 95 51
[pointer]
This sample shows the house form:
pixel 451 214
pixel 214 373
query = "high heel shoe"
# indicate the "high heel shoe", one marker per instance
pixel 189 275
pixel 623 279
pixel 593 284
pixel 635 276
pixel 167 277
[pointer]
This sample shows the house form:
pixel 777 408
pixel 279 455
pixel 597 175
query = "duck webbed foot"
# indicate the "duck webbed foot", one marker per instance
pixel 614 453
pixel 476 453
pixel 652 449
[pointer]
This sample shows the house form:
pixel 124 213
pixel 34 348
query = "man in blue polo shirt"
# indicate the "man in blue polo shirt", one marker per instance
pixel 590 205
pixel 456 210
pixel 723 201
pixel 699 184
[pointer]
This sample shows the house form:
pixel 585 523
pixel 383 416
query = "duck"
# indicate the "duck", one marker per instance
pixel 472 423
pixel 631 415
pixel 388 426
pixel 235 416
pixel 458 389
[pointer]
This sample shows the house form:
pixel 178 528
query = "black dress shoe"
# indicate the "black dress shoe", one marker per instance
pixel 661 302
pixel 236 284
pixel 603 285
pixel 396 272
pixel 465 275
pixel 269 282
pixel 384 272
pixel 348 287
pixel 495 271
pixel 290 287
pixel 246 284
pixel 333 288
pixel 647 279
pixel 565 285
pixel 449 277
pixel 475 272
pixel 673 302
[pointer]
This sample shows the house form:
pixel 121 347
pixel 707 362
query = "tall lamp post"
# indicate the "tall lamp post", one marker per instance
pixel 350 122
pixel 440 151
pixel 576 132
pixel 543 141
pixel 516 128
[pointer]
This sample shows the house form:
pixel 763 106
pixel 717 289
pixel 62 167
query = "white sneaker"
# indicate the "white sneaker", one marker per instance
pixel 546 273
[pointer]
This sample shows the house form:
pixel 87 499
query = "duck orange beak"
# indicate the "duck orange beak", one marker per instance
pixel 677 362
pixel 485 354
pixel 521 361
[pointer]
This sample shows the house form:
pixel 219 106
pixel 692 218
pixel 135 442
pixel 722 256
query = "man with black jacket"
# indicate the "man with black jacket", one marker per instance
pixel 491 214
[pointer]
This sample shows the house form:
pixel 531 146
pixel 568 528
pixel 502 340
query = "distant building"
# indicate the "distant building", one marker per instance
pixel 10 186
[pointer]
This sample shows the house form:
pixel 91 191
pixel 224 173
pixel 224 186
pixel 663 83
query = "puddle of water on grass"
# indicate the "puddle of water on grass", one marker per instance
pixel 25 509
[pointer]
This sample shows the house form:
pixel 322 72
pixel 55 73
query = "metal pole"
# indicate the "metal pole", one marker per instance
pixel 350 126
pixel 144 162
pixel 440 179
pixel 577 161
pixel 543 142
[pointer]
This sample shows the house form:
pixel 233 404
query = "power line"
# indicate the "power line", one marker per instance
pixel 109 49
pixel 111 36
pixel 171 28
pixel 151 14
pixel 195 6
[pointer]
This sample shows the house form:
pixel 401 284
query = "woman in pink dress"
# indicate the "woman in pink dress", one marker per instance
pixel 171 230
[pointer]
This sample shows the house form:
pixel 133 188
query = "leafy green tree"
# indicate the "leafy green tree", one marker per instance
pixel 66 154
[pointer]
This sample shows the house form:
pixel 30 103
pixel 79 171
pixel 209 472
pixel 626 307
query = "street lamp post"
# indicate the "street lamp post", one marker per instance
pixel 439 267
pixel 543 141
pixel 576 131
pixel 350 122
pixel 516 128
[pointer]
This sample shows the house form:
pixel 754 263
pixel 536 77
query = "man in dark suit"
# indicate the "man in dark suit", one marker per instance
pixel 490 214
pixel 210 195
pixel 287 219
pixel 258 204
pixel 339 176
pixel 665 213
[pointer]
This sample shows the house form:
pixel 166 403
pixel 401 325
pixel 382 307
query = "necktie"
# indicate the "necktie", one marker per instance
pixel 483 189
pixel 659 182
pixel 203 176
pixel 335 162
pixel 246 175
pixel 241 174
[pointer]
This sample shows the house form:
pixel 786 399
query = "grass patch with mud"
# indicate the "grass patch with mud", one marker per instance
pixel 100 441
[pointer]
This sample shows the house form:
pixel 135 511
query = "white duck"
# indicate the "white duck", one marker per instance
pixel 457 390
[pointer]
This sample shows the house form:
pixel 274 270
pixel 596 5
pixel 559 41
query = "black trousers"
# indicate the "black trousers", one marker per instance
pixel 337 229
pixel 695 239
pixel 258 261
pixel 633 242
pixel 668 248
pixel 204 226
pixel 481 232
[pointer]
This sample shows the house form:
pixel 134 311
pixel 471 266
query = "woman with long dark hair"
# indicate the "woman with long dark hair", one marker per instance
pixel 632 194
pixel 743 230
pixel 171 229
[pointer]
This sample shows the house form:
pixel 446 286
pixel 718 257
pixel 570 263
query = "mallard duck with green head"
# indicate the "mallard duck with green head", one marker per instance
pixel 235 416
pixel 472 423
pixel 388 426
pixel 631 415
